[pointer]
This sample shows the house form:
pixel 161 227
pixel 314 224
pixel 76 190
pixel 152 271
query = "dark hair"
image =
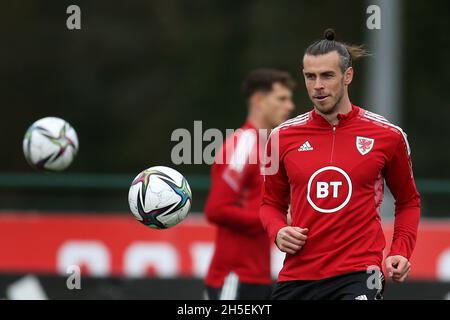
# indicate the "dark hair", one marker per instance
pixel 348 53
pixel 263 80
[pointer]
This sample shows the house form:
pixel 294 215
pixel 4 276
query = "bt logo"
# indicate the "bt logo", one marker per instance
pixel 322 188
pixel 329 189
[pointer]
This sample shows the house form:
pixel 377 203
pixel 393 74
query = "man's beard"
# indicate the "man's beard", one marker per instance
pixel 333 108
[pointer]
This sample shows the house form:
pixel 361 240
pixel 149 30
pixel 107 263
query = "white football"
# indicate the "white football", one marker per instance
pixel 50 144
pixel 160 197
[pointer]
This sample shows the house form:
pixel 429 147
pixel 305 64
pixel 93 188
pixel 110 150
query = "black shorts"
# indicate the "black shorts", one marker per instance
pixel 233 289
pixel 351 286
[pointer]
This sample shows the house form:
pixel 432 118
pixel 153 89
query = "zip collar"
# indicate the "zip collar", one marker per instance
pixel 343 118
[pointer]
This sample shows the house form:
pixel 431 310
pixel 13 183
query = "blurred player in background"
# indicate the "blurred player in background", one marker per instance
pixel 333 162
pixel 240 267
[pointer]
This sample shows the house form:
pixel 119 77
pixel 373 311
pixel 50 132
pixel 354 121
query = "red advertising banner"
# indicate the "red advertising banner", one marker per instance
pixel 103 245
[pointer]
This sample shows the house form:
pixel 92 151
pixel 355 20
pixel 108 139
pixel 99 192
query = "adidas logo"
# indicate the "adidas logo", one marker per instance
pixel 306 147
pixel 361 297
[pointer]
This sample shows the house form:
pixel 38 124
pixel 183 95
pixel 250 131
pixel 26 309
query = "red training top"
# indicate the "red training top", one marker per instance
pixel 333 178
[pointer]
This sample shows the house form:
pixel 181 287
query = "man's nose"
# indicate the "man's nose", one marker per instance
pixel 318 85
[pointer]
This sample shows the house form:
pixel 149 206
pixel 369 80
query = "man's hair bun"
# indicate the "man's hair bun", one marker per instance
pixel 329 34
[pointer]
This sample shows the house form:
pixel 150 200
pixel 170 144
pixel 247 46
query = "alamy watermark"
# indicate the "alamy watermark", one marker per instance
pixel 74 279
pixel 374 20
pixel 246 146
pixel 375 280
pixel 73 22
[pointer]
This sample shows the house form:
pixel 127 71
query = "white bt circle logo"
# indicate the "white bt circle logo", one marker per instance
pixel 329 189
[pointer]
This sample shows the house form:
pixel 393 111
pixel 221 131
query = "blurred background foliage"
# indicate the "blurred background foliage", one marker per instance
pixel 137 70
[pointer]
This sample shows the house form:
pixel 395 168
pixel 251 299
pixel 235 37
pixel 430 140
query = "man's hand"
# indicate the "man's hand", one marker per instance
pixel 397 268
pixel 291 239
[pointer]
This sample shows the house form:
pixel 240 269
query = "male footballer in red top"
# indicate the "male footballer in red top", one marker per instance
pixel 332 164
pixel 240 267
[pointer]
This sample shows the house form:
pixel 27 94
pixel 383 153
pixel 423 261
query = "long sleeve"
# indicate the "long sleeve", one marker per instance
pixel 275 194
pixel 400 180
pixel 228 184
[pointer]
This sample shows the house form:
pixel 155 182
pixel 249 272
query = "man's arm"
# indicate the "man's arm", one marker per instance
pixel 400 180
pixel 274 208
pixel 223 204
pixel 229 180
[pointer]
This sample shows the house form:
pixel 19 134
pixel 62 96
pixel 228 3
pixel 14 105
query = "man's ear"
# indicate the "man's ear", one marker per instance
pixel 348 76
pixel 256 98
